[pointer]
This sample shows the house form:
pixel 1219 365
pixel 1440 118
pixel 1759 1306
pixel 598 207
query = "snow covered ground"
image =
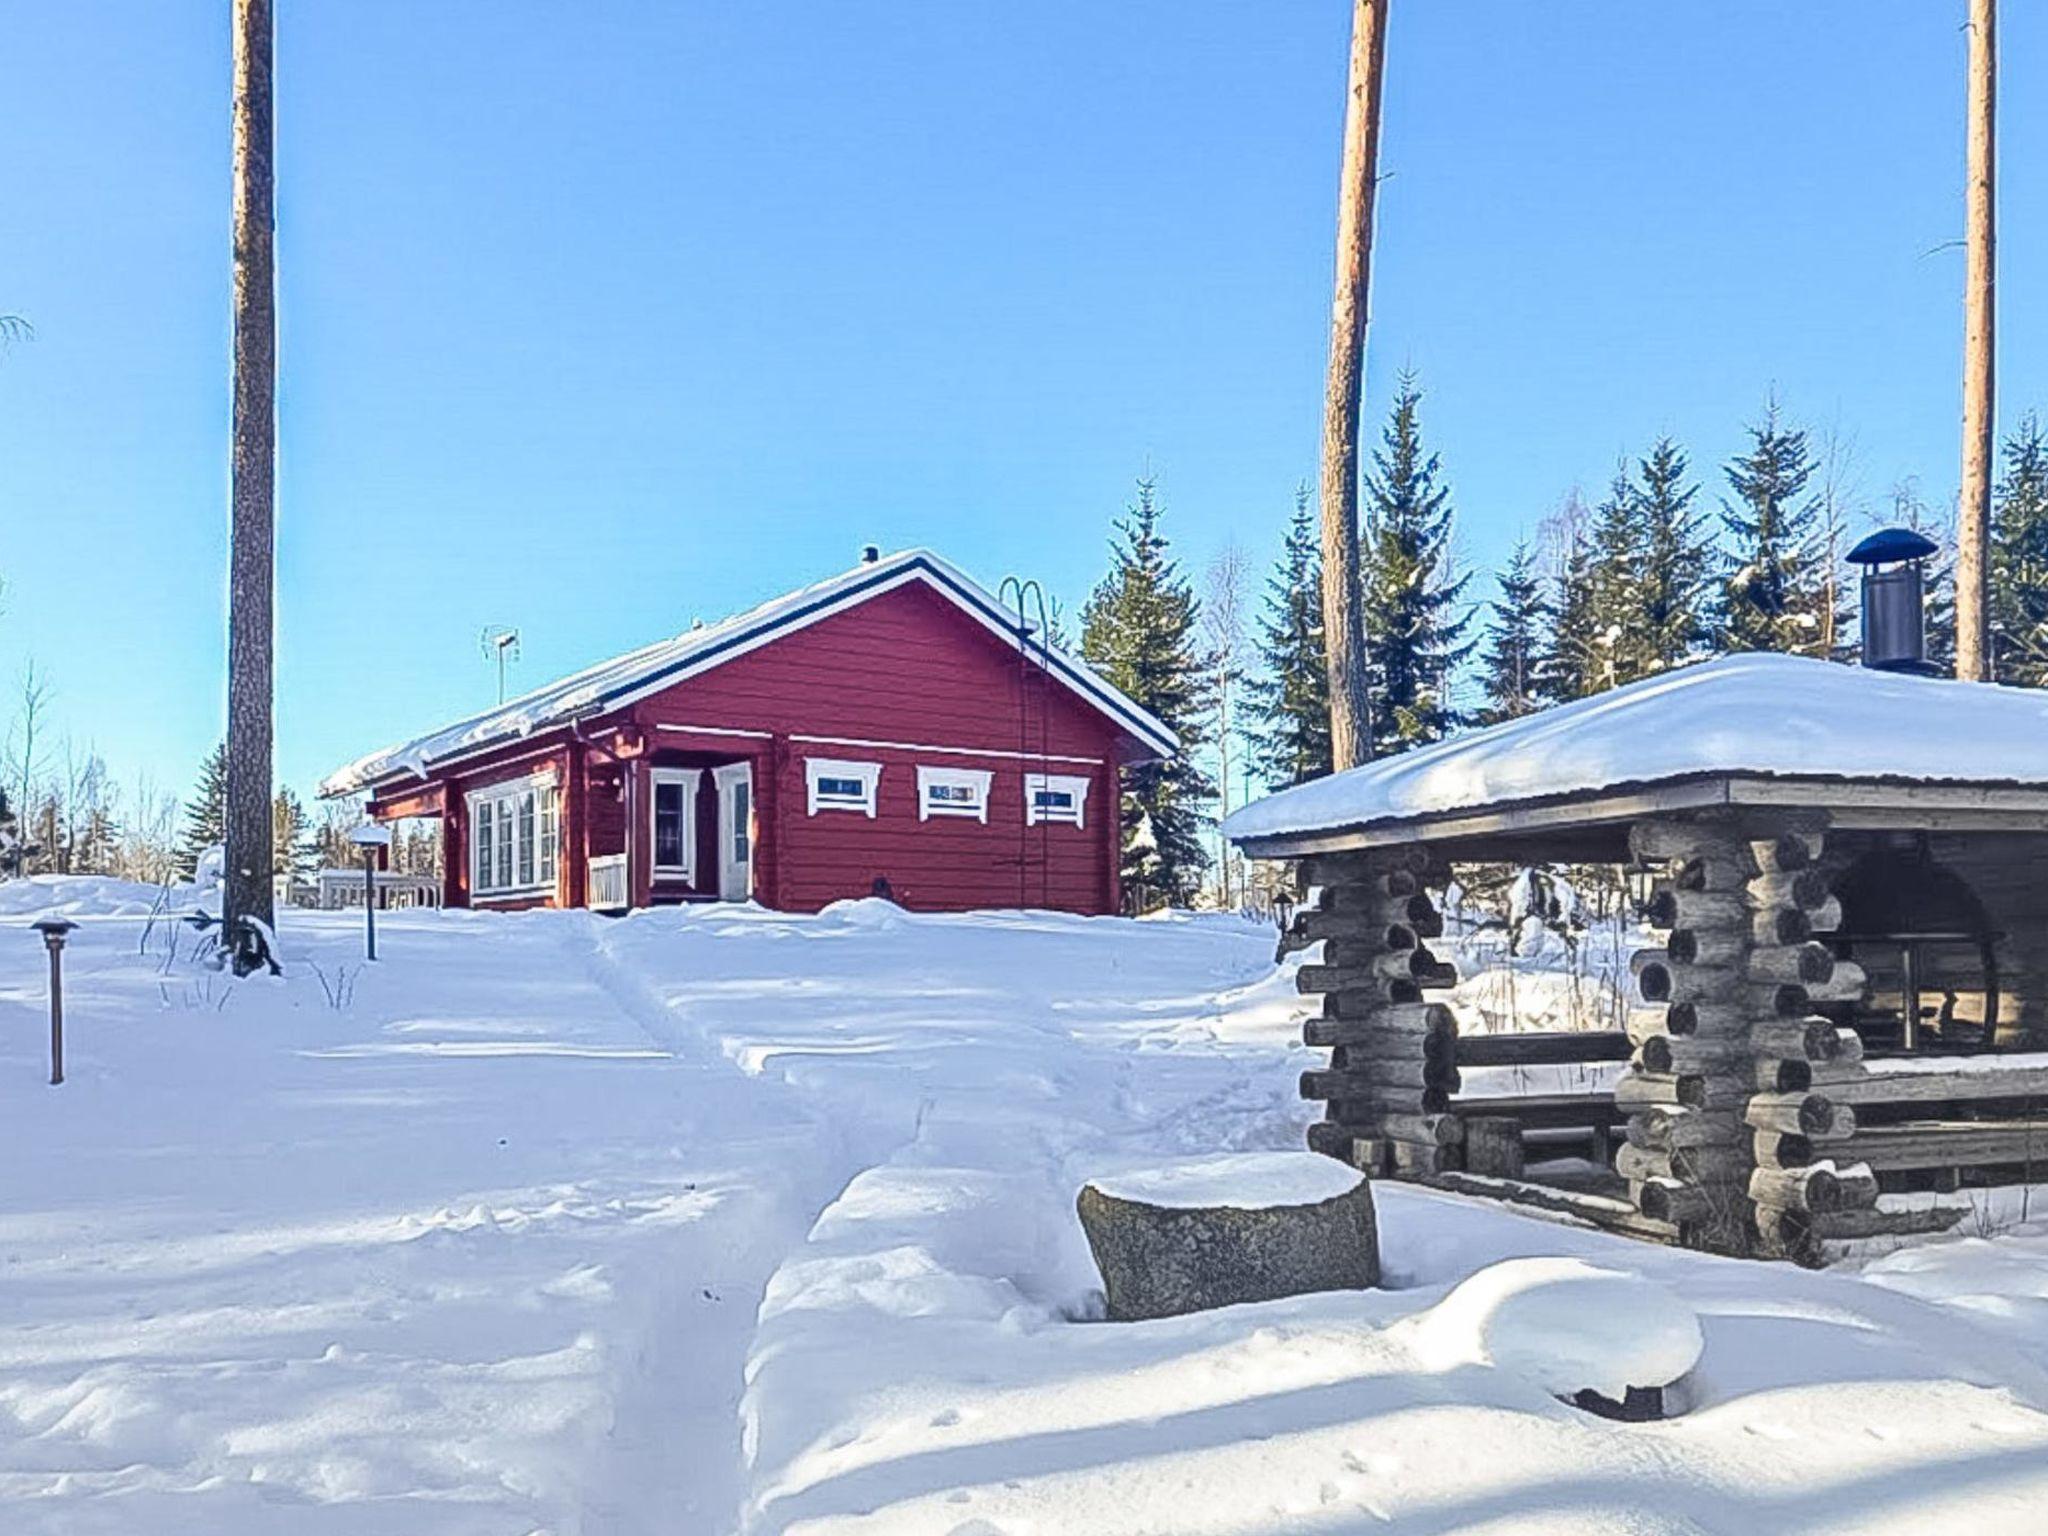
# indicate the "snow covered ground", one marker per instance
pixel 723 1220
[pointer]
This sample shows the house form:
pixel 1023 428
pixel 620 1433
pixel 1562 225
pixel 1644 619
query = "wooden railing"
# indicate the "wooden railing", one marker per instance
pixel 608 888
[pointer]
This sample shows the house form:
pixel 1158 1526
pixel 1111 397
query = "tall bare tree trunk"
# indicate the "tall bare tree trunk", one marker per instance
pixel 250 566
pixel 1973 516
pixel 1343 622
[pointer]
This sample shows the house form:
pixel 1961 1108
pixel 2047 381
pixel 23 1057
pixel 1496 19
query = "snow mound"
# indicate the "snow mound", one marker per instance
pixel 1245 1181
pixel 1564 1324
pixel 874 914
pixel 80 896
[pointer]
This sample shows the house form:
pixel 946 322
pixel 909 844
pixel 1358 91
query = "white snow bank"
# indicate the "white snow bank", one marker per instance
pixel 1564 1324
pixel 1762 714
pixel 1245 1181
pixel 84 896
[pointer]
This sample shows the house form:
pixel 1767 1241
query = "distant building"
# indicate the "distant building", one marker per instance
pixel 883 732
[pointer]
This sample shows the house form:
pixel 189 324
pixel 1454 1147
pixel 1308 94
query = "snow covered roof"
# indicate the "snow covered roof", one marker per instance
pixel 1769 716
pixel 612 684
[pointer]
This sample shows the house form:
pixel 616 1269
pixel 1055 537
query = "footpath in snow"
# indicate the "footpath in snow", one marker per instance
pixel 721 1220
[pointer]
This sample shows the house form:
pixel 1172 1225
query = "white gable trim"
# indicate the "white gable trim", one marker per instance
pixel 1099 695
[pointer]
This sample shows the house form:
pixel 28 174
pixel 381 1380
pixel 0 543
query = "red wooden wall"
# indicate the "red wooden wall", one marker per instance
pixel 904 672
pixel 909 668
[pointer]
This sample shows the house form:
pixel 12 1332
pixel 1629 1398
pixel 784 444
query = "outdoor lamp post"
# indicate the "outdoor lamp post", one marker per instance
pixel 370 837
pixel 54 931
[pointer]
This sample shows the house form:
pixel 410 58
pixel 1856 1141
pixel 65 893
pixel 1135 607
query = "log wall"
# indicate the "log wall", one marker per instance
pixel 1393 1052
pixel 1741 1096
pixel 1727 1041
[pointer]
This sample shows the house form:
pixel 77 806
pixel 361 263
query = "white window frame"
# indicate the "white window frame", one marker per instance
pixel 689 779
pixel 508 818
pixel 867 775
pixel 930 778
pixel 1075 784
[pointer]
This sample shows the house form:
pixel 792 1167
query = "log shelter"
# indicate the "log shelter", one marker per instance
pixel 1842 989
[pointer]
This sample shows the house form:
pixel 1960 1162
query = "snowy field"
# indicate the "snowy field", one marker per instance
pixel 715 1221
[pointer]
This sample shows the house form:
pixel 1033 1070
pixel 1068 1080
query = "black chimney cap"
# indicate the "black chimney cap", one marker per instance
pixel 870 554
pixel 1890 545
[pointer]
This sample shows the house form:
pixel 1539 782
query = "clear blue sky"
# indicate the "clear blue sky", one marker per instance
pixel 600 317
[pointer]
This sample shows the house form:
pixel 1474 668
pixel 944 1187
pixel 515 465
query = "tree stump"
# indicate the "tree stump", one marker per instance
pixel 1218 1231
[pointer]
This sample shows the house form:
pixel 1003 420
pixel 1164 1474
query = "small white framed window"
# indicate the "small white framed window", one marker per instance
pixel 1055 797
pixel 952 792
pixel 674 831
pixel 840 784
pixel 514 829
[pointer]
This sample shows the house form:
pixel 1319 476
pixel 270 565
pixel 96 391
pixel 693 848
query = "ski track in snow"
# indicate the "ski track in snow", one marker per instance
pixel 720 1220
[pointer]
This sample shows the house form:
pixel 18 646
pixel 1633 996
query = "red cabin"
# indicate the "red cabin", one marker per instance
pixel 893 730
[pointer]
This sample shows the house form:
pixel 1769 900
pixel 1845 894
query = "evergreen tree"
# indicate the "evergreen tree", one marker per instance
pixel 10 837
pixel 1616 637
pixel 1290 695
pixel 1777 592
pixel 1674 559
pixel 292 850
pixel 1413 638
pixel 1138 630
pixel 2019 560
pixel 206 813
pixel 1512 656
pixel 1570 666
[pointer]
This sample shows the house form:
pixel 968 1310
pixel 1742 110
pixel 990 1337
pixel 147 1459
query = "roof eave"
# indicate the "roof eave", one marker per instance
pixel 1860 802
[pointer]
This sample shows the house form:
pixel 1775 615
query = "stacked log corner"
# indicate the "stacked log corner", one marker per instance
pixel 1726 1085
pixel 1393 1053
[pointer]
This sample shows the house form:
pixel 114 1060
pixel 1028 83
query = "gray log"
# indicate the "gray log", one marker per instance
pixel 1807 965
pixel 1493 1146
pixel 1808 1114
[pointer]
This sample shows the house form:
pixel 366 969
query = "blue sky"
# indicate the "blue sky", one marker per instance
pixel 597 318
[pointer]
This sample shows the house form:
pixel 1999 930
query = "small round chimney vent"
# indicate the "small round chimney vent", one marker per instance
pixel 870 554
pixel 1894 600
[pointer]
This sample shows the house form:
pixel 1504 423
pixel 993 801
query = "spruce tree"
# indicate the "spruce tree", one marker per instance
pixel 2019 560
pixel 1413 636
pixel 291 846
pixel 1674 559
pixel 1138 630
pixel 1512 656
pixel 10 837
pixel 1776 594
pixel 1570 666
pixel 1615 639
pixel 206 813
pixel 1290 694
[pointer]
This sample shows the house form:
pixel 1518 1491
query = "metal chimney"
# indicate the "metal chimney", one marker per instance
pixel 1894 600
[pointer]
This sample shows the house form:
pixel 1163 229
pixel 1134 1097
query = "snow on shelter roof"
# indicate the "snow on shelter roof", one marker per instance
pixel 1773 716
pixel 612 684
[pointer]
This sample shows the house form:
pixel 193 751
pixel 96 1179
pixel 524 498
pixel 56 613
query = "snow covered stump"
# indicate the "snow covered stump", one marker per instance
pixel 1600 1339
pixel 1215 1231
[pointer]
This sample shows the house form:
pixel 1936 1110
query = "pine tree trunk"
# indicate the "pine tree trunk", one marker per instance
pixel 248 832
pixel 1343 623
pixel 1973 521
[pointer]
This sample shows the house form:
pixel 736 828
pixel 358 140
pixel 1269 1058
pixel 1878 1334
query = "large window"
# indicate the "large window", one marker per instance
pixel 675 822
pixel 837 784
pixel 514 829
pixel 1055 797
pixel 952 792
